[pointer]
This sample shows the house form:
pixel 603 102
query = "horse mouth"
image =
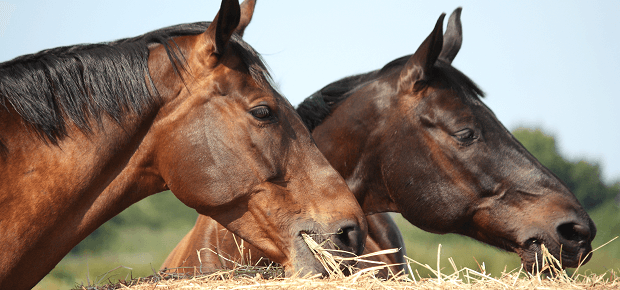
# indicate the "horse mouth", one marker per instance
pixel 535 259
pixel 302 261
pixel 311 244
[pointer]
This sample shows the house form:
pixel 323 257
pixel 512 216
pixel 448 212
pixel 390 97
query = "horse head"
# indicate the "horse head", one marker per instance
pixel 445 161
pixel 227 134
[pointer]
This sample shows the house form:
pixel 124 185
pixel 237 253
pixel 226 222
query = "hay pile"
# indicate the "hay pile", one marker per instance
pixel 466 280
pixel 271 277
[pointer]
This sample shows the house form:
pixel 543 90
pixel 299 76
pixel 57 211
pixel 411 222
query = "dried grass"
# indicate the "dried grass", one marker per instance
pixel 271 277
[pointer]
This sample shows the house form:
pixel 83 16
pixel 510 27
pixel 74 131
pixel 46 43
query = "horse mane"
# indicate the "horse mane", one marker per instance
pixel 318 106
pixel 81 83
pixel 315 108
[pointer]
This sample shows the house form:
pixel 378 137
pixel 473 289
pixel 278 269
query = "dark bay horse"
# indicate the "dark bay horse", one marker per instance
pixel 414 137
pixel 89 130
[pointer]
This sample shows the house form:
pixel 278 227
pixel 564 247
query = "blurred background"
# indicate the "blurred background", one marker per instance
pixel 549 70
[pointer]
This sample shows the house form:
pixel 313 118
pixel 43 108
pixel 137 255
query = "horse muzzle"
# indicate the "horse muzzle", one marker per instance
pixel 570 244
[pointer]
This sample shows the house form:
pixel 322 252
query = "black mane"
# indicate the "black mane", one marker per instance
pixel 314 109
pixel 81 83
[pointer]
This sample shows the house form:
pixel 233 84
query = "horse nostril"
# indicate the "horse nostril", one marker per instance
pixel 351 237
pixel 574 232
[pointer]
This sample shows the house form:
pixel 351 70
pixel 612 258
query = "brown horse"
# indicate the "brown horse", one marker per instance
pixel 415 138
pixel 89 130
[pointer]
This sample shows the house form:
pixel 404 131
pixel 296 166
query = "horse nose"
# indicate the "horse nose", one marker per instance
pixel 350 236
pixel 576 233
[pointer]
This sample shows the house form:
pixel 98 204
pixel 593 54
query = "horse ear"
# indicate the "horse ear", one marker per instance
pixel 247 11
pixel 421 62
pixel 453 38
pixel 223 25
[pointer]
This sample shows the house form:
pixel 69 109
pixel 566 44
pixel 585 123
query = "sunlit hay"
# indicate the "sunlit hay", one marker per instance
pixel 477 280
pixel 324 257
pixel 253 277
pixel 334 264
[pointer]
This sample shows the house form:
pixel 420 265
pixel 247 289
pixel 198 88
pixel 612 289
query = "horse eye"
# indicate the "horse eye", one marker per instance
pixel 261 112
pixel 465 135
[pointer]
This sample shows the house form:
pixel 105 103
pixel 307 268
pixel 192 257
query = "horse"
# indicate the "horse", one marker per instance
pixel 414 137
pixel 88 130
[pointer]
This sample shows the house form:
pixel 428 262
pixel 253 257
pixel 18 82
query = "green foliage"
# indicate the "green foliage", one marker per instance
pixel 582 177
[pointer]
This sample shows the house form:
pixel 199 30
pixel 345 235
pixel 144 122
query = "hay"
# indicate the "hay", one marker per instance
pixel 334 265
pixel 255 277
pixel 469 279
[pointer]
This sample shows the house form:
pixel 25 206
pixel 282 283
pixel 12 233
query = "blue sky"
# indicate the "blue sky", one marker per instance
pixel 547 64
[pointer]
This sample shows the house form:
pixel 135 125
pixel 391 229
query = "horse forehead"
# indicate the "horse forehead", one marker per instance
pixel 440 102
pixel 227 79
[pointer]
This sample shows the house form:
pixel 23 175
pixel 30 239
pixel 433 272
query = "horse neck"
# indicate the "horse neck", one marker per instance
pixel 53 196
